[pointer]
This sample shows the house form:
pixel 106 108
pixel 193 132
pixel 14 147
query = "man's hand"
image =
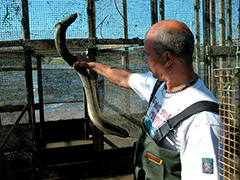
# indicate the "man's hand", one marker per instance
pixel 82 61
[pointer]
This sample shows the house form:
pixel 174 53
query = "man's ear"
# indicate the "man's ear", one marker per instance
pixel 168 57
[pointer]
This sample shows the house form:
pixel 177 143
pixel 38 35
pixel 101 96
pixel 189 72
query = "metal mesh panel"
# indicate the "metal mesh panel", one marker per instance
pixel 62 93
pixel 118 105
pixel 228 89
pixel 10 20
pixel 109 22
pixel 12 81
pixel 13 87
pixel 44 15
pixel 61 85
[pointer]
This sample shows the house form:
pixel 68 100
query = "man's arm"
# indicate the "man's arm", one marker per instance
pixel 117 76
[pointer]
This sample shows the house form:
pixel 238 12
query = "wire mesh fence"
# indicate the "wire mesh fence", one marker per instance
pixel 228 81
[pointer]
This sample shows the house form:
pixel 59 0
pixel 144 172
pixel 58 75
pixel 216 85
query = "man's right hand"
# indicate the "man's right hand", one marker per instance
pixel 82 61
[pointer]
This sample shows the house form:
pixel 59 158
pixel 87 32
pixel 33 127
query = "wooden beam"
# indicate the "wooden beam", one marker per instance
pixel 111 52
pixel 49 44
pixel 47 47
pixel 9 43
pixel 221 51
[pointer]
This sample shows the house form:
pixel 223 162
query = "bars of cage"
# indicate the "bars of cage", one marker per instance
pixel 228 89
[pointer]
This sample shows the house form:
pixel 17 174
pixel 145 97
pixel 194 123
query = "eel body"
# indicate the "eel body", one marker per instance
pixel 93 108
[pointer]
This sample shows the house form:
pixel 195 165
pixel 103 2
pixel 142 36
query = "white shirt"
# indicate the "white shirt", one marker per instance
pixel 196 138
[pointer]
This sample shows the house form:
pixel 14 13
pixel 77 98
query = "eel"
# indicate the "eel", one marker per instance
pixel 93 108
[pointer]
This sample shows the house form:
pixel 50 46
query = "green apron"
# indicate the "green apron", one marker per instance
pixel 154 162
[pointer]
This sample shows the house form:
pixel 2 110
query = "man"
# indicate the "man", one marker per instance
pixel 189 151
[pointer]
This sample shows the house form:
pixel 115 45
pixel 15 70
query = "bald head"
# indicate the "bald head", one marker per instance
pixel 170 25
pixel 173 36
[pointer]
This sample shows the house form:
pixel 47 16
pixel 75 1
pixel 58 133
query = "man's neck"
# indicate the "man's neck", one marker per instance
pixel 179 80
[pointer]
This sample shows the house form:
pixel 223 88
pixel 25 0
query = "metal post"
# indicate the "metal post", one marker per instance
pixel 28 67
pixel 125 58
pixel 213 23
pixel 154 14
pixel 238 19
pixel 161 9
pixel 229 28
pixel 25 19
pixel 206 40
pixel 125 22
pixel 97 140
pixel 213 86
pixel 40 97
pixel 197 36
pixel 229 22
pixel 221 28
pixel 238 53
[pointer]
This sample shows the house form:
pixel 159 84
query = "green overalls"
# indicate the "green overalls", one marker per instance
pixel 154 162
pixel 150 160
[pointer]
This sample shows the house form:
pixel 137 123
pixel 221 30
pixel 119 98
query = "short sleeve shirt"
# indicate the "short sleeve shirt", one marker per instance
pixel 196 138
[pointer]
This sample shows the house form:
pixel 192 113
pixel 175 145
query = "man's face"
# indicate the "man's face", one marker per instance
pixel 154 62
